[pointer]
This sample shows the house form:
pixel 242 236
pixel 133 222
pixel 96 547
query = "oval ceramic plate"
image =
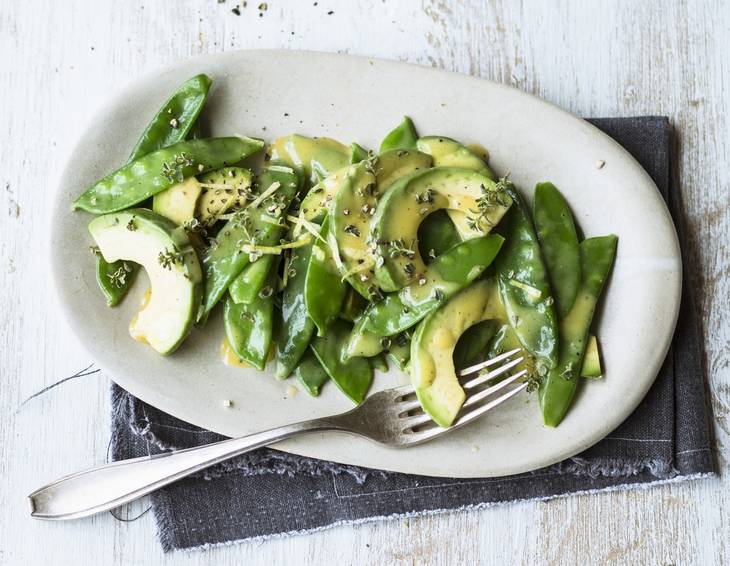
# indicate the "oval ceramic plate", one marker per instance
pixel 271 93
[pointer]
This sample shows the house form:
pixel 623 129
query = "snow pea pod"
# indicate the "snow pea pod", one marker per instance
pixel 354 376
pixel 399 350
pixel 379 362
pixel 249 328
pixel 524 287
pixel 249 283
pixel 296 328
pixel 224 260
pixel 159 170
pixel 557 390
pixel 436 234
pixel 324 290
pixel 559 243
pixel 403 136
pixel 114 278
pixel 451 271
pixel 184 106
pixel 176 118
pixel 357 153
pixel 473 343
pixel 311 374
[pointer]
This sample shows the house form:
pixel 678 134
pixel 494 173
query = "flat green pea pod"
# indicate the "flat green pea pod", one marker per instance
pixel 349 223
pixel 161 169
pixel 449 274
pixel 473 343
pixel 184 106
pixel 324 290
pixel 236 243
pixel 176 119
pixel 403 136
pixel 357 153
pixel 315 158
pixel 436 234
pixel 246 287
pixel 399 350
pixel 379 363
pixel 557 390
pixel 525 289
pixel 354 376
pixel 249 328
pixel 296 328
pixel 559 243
pixel 353 306
pixel 114 278
pixel 311 374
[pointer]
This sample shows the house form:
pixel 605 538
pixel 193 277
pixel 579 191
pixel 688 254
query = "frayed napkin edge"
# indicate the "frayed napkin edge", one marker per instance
pixel 165 537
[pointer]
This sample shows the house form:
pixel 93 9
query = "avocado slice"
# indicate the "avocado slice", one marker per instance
pixel 315 205
pixel 592 360
pixel 315 157
pixel 404 206
pixel 164 250
pixel 223 190
pixel 178 203
pixel 432 349
pixel 352 210
pixel 390 166
pixel 450 153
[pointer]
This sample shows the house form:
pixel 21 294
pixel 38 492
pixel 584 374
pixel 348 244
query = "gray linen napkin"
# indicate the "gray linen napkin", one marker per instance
pixel 268 493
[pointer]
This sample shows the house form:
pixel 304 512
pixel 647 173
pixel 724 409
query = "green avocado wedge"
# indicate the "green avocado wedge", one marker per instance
pixel 392 165
pixel 410 200
pixel 432 370
pixel 349 222
pixel 450 153
pixel 558 388
pixel 316 158
pixel 592 360
pixel 164 251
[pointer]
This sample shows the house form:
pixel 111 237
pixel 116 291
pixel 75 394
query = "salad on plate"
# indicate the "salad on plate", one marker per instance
pixel 333 261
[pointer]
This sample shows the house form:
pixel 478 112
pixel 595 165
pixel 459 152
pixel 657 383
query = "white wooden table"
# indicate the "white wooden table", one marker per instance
pixel 60 59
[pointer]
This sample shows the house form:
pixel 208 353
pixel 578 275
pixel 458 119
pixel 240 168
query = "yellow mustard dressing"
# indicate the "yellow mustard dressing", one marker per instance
pixel 229 357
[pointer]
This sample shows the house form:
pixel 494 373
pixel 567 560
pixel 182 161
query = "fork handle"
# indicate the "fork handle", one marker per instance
pixel 106 487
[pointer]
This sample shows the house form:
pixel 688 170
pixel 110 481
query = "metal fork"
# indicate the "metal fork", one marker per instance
pixel 392 417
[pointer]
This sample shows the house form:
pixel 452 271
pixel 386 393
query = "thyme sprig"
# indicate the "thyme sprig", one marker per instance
pixel 174 170
pixel 491 198
pixel 398 248
pixel 168 258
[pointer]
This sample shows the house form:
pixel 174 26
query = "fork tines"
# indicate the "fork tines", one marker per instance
pixel 483 392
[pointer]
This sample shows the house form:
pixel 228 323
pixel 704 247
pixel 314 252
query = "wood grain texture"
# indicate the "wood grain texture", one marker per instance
pixel 599 58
